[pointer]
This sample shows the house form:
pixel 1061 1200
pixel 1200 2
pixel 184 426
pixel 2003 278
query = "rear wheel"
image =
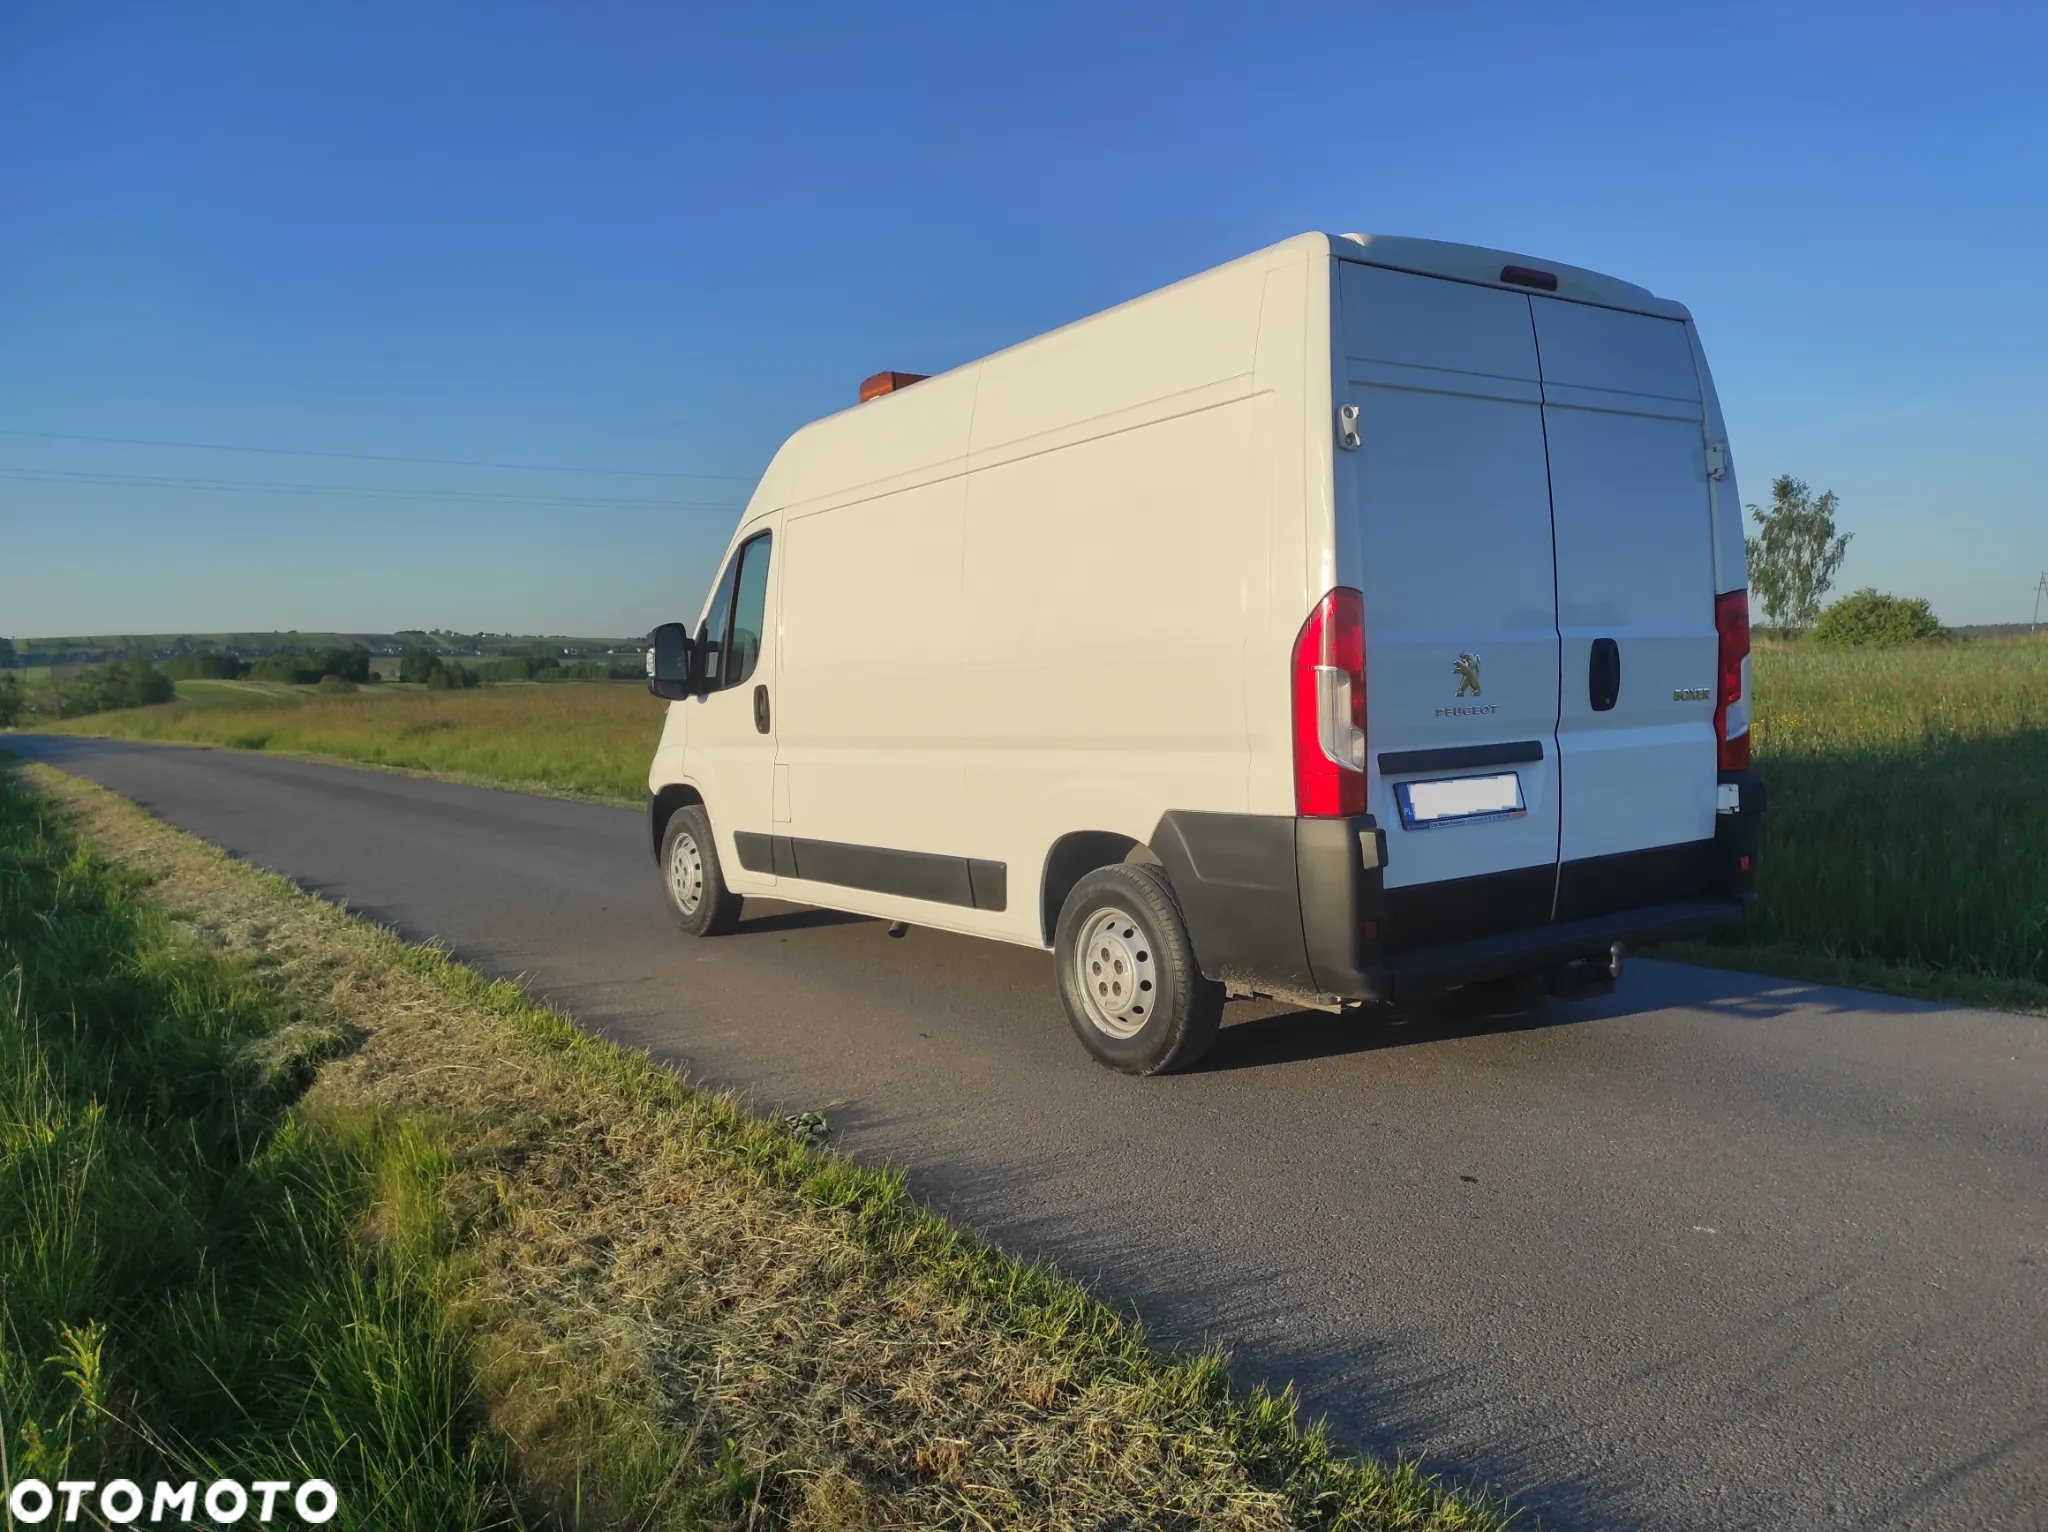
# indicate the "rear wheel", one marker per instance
pixel 691 877
pixel 1128 977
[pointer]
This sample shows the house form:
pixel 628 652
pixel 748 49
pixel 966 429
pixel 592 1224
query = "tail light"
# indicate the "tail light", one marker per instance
pixel 1731 696
pixel 1329 708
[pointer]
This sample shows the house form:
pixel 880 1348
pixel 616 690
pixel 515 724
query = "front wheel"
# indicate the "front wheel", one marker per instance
pixel 1128 976
pixel 691 877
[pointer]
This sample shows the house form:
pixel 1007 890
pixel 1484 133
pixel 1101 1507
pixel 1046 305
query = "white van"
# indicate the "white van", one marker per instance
pixel 1365 616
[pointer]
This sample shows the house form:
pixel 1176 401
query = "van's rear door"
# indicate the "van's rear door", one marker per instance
pixel 1444 523
pixel 1635 585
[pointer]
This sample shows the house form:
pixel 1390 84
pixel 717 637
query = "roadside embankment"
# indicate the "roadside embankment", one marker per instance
pixel 640 1305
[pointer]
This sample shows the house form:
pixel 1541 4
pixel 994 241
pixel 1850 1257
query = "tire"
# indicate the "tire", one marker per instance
pixel 691 879
pixel 1128 976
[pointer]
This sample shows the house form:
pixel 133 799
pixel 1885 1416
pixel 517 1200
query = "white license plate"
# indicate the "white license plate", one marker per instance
pixel 1460 800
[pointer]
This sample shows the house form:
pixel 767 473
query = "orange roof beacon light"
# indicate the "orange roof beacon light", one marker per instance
pixel 887 383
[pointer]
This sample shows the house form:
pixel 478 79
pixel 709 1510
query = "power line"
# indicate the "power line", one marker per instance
pixel 354 491
pixel 368 457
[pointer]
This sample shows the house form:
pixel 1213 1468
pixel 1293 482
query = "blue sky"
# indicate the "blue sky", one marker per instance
pixel 653 239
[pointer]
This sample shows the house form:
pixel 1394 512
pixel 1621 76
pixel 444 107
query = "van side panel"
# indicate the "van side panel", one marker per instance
pixel 1116 547
pixel 1157 355
pixel 871 672
pixel 1292 381
pixel 1106 590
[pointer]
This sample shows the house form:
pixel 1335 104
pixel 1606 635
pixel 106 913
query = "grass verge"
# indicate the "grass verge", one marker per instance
pixel 664 1311
pixel 186 1291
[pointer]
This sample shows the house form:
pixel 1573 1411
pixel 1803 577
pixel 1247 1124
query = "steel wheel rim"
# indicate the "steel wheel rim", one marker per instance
pixel 1117 973
pixel 686 873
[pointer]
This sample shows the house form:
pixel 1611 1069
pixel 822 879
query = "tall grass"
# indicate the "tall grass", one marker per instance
pixel 185 1287
pixel 594 738
pixel 1908 819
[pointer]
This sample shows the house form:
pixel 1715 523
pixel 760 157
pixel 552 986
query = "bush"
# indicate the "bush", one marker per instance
pixel 350 663
pixel 419 665
pixel 206 667
pixel 346 661
pixel 452 675
pixel 283 666
pixel 103 688
pixel 505 670
pixel 12 701
pixel 332 685
pixel 593 670
pixel 1871 617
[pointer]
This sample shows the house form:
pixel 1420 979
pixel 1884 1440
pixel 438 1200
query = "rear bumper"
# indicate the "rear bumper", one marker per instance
pixel 1299 908
pixel 1490 957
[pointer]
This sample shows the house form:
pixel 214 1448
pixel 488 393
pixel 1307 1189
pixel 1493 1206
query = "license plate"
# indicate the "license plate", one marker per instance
pixel 1460 800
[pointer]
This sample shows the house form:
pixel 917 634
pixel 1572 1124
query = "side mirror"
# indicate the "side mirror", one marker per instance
pixel 668 662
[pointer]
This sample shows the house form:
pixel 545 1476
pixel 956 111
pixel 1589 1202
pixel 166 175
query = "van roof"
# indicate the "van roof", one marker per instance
pixel 1427 257
pixel 1476 263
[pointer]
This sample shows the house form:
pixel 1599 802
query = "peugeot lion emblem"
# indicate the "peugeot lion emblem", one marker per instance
pixel 1466 666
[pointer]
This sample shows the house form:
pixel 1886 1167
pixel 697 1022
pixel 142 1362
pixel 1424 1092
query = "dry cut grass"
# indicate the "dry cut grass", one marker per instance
pixel 682 1315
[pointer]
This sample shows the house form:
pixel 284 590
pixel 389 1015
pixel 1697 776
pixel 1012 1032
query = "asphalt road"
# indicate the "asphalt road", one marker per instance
pixel 1717 1252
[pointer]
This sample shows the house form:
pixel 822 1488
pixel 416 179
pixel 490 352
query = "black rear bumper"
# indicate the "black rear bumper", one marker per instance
pixel 1491 957
pixel 1300 907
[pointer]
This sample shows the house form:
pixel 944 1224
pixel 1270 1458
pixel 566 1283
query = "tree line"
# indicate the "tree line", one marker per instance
pixel 440 672
pixel 135 682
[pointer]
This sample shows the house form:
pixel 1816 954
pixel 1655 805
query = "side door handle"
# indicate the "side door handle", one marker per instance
pixel 1603 675
pixel 761 709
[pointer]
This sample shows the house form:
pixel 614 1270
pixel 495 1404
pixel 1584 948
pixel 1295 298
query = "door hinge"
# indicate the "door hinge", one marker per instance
pixel 1347 426
pixel 1717 461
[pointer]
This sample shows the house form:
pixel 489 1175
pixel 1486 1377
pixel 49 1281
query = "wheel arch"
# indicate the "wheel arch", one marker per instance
pixel 662 805
pixel 1072 857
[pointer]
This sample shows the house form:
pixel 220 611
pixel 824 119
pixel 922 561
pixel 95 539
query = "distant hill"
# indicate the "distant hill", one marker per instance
pixel 98 648
pixel 1996 630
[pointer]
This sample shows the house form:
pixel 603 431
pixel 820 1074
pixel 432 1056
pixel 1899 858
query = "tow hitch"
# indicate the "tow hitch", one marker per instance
pixel 1589 977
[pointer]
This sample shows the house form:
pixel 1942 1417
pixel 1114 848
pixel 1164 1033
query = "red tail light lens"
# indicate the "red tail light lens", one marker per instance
pixel 1329 708
pixel 1731 696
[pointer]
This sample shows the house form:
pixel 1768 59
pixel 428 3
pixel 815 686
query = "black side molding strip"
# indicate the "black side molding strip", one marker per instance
pixel 1454 756
pixel 968 882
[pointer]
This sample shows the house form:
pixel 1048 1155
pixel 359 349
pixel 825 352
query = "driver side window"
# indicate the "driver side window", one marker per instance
pixel 731 633
pixel 749 611
pixel 711 635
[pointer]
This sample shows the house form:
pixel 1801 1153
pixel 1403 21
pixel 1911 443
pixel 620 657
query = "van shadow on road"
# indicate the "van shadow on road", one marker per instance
pixel 1277 1035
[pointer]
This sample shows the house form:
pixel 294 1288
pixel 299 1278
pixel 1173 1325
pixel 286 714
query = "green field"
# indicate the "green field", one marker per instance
pixel 593 739
pixel 1907 841
pixel 1906 848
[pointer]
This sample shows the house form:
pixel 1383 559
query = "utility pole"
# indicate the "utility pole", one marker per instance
pixel 2040 595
